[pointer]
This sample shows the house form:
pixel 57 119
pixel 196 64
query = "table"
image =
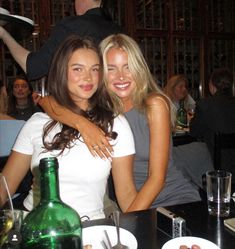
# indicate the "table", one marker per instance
pixel 143 224
pixel 200 224
pixel 184 138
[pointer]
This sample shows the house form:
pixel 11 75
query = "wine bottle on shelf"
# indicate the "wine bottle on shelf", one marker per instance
pixel 52 224
pixel 181 116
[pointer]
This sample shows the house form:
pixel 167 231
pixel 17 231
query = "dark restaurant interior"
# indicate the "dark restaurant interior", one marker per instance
pixel 177 36
pixel 190 39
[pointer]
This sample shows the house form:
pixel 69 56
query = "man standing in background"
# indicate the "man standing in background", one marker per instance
pixel 90 21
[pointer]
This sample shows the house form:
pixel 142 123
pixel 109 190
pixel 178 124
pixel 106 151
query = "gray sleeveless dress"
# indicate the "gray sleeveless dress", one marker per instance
pixel 177 189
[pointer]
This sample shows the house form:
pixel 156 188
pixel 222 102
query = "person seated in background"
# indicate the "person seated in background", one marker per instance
pixel 216 113
pixel 176 89
pixel 3 98
pixel 192 159
pixel 21 104
pixel 3 102
pixel 74 82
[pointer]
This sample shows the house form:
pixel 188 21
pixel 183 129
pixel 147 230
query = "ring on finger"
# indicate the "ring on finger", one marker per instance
pixel 95 146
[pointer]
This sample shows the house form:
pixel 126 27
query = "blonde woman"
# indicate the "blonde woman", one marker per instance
pixel 176 89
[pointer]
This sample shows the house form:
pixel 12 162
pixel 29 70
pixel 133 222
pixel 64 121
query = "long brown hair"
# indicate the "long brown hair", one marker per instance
pixel 100 111
pixel 12 101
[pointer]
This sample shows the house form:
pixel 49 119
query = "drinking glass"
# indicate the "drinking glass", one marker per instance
pixel 6 212
pixel 218 192
pixel 191 111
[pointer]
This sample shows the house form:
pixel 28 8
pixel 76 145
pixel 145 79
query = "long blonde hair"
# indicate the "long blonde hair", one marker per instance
pixel 172 82
pixel 145 83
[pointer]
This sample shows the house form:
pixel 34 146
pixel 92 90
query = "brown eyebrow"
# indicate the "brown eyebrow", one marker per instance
pixel 77 64
pixel 112 65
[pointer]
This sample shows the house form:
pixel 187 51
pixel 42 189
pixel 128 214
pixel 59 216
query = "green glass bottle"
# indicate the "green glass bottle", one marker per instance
pixel 181 116
pixel 52 224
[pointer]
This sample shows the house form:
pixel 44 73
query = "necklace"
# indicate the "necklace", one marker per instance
pixel 22 106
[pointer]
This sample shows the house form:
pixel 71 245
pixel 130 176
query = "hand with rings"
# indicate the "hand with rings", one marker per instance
pixel 96 140
pixel 98 150
pixel 95 147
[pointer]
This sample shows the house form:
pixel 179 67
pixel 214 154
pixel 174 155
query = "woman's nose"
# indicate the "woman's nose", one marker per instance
pixel 87 76
pixel 120 75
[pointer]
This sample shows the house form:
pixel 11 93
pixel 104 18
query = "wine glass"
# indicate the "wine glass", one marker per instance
pixel 191 111
pixel 6 211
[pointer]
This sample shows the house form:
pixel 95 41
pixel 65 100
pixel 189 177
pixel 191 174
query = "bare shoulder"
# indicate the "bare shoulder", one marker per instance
pixel 4 116
pixel 157 100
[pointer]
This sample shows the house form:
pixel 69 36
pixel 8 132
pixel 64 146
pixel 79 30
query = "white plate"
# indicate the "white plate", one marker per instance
pixel 4 11
pixel 23 18
pixel 189 241
pixel 95 234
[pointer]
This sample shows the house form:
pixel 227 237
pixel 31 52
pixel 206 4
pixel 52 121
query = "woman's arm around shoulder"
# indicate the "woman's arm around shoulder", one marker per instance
pixel 91 134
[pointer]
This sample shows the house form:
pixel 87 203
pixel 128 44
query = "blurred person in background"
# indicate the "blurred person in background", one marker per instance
pixel 3 98
pixel 193 159
pixel 176 89
pixel 19 104
pixel 216 113
pixel 3 102
pixel 22 102
pixel 91 20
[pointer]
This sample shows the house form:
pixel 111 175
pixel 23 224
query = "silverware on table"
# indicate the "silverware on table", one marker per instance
pixel 104 244
pixel 116 218
pixel 108 244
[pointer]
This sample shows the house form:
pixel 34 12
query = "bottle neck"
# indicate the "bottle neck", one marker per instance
pixel 181 104
pixel 49 184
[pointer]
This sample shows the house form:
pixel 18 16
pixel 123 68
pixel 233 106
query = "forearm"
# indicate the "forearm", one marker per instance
pixel 17 162
pixel 61 114
pixel 91 134
pixel 126 201
pixel 18 52
pixel 147 194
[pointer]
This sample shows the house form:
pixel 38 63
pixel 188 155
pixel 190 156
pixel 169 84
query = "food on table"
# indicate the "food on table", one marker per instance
pixel 192 247
pixel 195 247
pixel 87 247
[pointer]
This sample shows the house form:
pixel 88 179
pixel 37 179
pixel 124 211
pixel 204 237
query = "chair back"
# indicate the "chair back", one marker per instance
pixel 9 130
pixel 222 141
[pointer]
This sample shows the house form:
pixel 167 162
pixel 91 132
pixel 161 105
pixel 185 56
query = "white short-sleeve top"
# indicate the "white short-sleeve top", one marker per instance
pixel 82 177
